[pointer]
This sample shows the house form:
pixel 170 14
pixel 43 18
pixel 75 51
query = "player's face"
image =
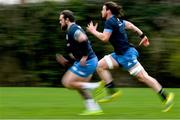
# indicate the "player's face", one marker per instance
pixel 104 12
pixel 62 22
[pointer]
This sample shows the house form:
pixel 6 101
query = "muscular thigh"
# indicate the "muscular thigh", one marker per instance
pixel 69 77
pixel 108 62
pixel 138 71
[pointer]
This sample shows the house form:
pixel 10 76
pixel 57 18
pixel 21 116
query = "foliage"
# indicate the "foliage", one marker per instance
pixel 30 37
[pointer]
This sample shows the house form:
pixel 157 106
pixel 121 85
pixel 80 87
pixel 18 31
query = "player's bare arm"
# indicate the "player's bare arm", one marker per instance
pixel 62 60
pixel 72 56
pixel 93 30
pixel 82 38
pixel 132 27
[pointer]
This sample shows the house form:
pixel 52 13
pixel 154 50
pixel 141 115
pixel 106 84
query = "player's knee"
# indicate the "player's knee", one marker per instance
pixel 142 76
pixel 66 83
pixel 101 66
pixel 99 69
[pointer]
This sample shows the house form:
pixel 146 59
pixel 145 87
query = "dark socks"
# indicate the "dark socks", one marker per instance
pixel 110 88
pixel 162 94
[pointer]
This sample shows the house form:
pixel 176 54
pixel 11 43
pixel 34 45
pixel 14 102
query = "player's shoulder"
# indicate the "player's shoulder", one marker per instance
pixel 73 28
pixel 109 22
pixel 112 22
pixel 76 26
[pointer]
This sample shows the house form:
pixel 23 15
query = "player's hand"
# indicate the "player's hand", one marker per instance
pixel 144 41
pixel 83 61
pixel 91 27
pixel 60 59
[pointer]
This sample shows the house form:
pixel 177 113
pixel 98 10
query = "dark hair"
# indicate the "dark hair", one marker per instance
pixel 68 14
pixel 114 8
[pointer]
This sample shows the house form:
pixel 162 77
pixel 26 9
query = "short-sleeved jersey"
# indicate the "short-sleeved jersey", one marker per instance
pixel 73 46
pixel 118 38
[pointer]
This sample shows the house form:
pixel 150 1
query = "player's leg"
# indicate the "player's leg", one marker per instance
pixel 73 81
pixel 106 63
pixel 92 107
pixel 77 77
pixel 139 72
pixel 167 98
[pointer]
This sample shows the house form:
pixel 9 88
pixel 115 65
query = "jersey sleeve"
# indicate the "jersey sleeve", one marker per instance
pixel 77 33
pixel 108 27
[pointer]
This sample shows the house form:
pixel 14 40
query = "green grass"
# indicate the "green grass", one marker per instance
pixel 60 103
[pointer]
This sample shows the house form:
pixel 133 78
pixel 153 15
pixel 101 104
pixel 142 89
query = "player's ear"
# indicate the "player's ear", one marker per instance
pixel 108 11
pixel 67 20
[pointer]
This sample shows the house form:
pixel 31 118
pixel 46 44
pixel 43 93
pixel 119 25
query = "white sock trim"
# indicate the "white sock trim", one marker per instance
pixel 92 105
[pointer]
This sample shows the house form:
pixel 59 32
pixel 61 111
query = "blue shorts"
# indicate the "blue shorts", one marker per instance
pixel 128 60
pixel 85 71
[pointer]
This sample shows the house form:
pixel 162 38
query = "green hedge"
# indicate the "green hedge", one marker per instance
pixel 30 37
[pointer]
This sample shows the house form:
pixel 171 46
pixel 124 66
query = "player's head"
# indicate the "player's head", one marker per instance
pixel 111 8
pixel 66 16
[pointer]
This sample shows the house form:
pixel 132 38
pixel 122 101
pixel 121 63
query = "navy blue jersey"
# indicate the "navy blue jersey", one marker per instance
pixel 118 38
pixel 74 47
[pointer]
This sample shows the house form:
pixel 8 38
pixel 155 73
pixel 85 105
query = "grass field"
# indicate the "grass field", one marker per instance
pixel 60 103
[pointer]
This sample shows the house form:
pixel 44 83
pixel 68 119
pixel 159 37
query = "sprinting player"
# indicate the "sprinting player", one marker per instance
pixel 78 75
pixel 124 54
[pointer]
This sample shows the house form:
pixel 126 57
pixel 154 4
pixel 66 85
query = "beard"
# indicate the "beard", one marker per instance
pixel 103 18
pixel 64 27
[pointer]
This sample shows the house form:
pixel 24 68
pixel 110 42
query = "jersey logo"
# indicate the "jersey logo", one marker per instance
pixel 74 68
pixel 135 60
pixel 68 44
pixel 129 63
pixel 79 26
pixel 66 36
pixel 81 73
pixel 121 27
pixel 120 24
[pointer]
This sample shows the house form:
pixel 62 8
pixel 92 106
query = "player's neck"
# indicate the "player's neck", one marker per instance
pixel 109 16
pixel 69 24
